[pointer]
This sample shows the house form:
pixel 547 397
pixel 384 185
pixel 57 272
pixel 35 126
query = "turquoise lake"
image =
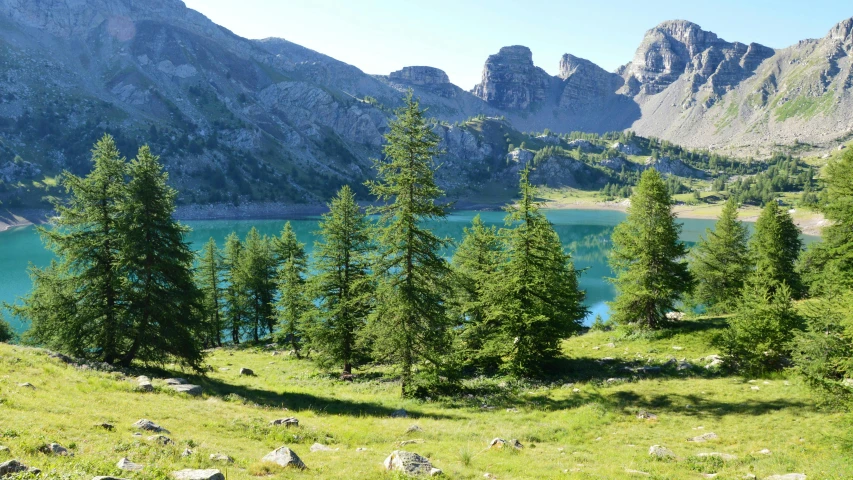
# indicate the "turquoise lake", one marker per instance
pixel 585 233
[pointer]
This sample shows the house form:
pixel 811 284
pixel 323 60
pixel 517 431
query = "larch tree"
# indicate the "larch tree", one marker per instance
pixel 775 247
pixel 76 303
pixel 648 257
pixel 534 301
pixel 720 262
pixel 156 263
pixel 209 281
pixel 409 323
pixel 235 294
pixel 342 286
pixel 258 265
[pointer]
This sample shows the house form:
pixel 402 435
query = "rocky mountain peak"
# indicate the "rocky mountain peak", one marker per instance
pixel 842 33
pixel 419 75
pixel 511 81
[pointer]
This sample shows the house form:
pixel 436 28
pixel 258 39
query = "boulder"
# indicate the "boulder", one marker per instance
pixel 704 437
pixel 247 372
pixel 660 452
pixel 501 443
pixel 149 426
pixel 221 457
pixel 627 149
pixel 284 457
pixel 193 390
pixel 408 463
pixel 161 439
pixel 726 457
pixel 55 449
pixel 189 474
pixel 176 381
pixel 11 467
pixel 401 413
pixel 414 428
pixel 287 422
pixel 319 447
pixel 125 464
pixel 643 415
pixel 788 476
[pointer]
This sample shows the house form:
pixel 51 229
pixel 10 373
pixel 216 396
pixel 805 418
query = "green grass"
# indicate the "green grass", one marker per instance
pixel 590 433
pixel 805 107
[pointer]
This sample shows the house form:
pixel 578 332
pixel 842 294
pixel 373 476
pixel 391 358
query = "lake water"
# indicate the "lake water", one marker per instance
pixel 585 233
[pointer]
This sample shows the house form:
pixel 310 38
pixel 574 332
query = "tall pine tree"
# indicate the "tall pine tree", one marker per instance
pixel 236 296
pixel 75 305
pixel 409 323
pixel 475 264
pixel 341 285
pixel 162 299
pixel 287 246
pixel 647 257
pixel 258 265
pixel 209 281
pixel 775 247
pixel 293 305
pixel 720 262
pixel 534 300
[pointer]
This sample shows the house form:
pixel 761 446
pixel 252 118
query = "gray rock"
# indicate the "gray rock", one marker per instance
pixel 161 440
pixel 660 452
pixel 286 422
pixel 55 449
pixel 704 437
pixel 319 447
pixel 644 415
pixel 501 443
pixel 512 82
pixel 193 390
pixel 788 476
pixel 401 413
pixel 414 428
pixel 149 426
pixel 284 457
pixel 187 452
pixel 125 464
pixel 221 457
pixel 189 474
pixel 176 381
pixel 247 372
pixel 27 385
pixel 420 76
pixel 11 467
pixel 408 463
pixel 627 149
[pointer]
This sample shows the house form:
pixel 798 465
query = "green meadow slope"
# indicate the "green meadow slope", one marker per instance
pixel 583 425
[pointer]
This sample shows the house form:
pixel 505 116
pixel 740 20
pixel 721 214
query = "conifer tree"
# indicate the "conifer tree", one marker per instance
pixel 75 305
pixel 293 305
pixel 775 247
pixel 209 280
pixel 534 300
pixel 258 262
pixel 236 299
pixel 759 334
pixel 409 323
pixel 341 286
pixel 287 246
pixel 156 264
pixel 720 262
pixel 475 263
pixel 647 257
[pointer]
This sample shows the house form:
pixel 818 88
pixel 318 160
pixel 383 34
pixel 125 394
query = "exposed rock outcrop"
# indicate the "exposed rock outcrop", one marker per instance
pixel 512 82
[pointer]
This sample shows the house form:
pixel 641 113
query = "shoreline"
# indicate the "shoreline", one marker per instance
pixel 810 224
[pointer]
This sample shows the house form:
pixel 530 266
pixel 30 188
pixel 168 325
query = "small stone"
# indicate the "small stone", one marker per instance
pixel 576 390
pixel 176 381
pixel 704 437
pixel 414 428
pixel 360 449
pixel 193 390
pixel 408 463
pixel 764 451
pixel 27 385
pixel 4 449
pixel 186 453
pixel 55 449
pixel 660 452
pixel 677 348
pixel 150 426
pixel 160 439
pixel 434 472
pixel 287 422
pixel 190 474
pixel 247 372
pixel 284 457
pixel 612 381
pixel 726 457
pixel 749 476
pixel 643 415
pixel 125 464
pixel 755 389
pixel 319 447
pixel 410 442
pixel 221 457
pixel 788 476
pixel 501 443
pixel 401 413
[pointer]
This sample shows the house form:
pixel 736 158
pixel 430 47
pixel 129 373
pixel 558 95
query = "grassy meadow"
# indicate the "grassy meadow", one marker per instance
pixel 583 425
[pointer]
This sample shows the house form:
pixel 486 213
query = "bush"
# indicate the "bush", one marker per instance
pixel 759 335
pixel 6 333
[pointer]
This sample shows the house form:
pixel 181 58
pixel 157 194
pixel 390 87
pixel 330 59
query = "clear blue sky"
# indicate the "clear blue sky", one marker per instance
pixel 380 36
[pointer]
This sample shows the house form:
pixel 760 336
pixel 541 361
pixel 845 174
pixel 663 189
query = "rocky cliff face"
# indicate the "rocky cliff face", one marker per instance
pixel 585 84
pixel 512 82
pixel 429 79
